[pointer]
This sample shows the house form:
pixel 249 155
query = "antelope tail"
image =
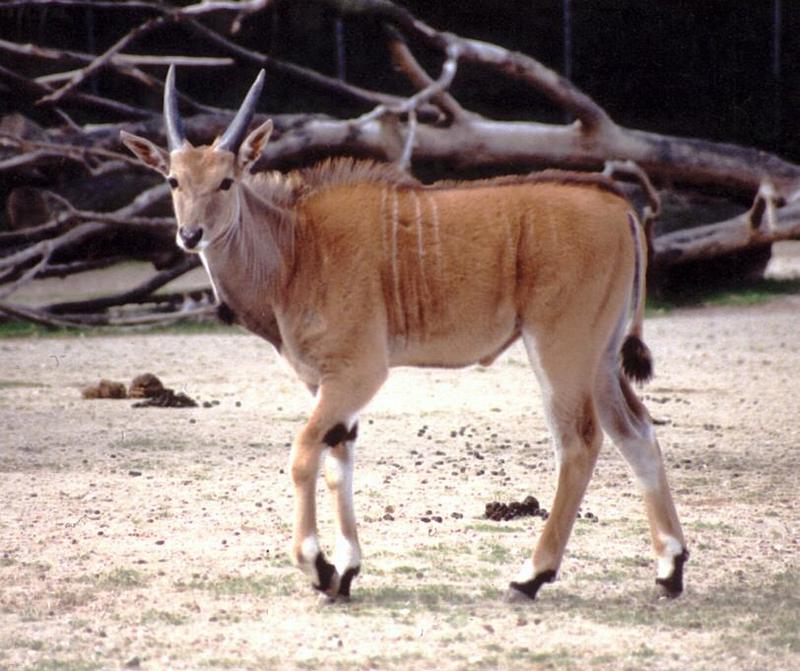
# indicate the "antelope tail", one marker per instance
pixel 637 361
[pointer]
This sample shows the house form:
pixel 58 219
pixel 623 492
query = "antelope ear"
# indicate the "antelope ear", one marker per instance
pixel 152 156
pixel 254 144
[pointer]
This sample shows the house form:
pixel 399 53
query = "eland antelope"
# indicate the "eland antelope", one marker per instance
pixel 350 268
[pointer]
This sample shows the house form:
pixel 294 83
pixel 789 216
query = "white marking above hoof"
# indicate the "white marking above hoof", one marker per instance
pixel 666 562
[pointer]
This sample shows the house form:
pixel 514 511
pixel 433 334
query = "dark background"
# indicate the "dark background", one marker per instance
pixel 718 69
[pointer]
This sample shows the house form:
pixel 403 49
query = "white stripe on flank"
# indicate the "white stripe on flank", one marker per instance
pixel 437 241
pixel 395 266
pixel 384 227
pixel 420 246
pixel 418 222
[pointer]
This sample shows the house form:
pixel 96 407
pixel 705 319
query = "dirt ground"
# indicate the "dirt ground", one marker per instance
pixel 156 538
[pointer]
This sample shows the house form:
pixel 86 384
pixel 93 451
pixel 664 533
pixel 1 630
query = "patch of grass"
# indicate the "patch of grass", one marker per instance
pixel 559 658
pixel 58 664
pixel 721 527
pixel 402 661
pixel 431 597
pixel 638 561
pixel 21 384
pixel 69 599
pixel 488 527
pixel 146 444
pixel 766 609
pixel 163 616
pixel 26 643
pixel 231 663
pixel 746 293
pixel 235 585
pixel 122 578
pixel 495 553
pixel 18 328
pixel 644 651
pixel 777 626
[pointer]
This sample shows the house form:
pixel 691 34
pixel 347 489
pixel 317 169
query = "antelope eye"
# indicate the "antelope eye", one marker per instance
pixel 225 184
pixel 173 183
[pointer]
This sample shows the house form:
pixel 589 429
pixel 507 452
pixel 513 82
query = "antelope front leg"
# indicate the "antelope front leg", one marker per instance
pixel 331 428
pixel 339 478
pixel 306 553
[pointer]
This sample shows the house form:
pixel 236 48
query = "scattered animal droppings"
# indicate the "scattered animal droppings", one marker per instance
pixel 145 385
pixel 105 389
pixel 499 512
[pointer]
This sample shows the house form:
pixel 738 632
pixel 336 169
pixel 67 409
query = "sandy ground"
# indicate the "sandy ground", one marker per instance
pixel 156 538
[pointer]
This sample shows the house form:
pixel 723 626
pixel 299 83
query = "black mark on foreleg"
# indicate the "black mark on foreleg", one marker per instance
pixel 340 434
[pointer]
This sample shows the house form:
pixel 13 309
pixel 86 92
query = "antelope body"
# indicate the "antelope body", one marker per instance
pixel 350 268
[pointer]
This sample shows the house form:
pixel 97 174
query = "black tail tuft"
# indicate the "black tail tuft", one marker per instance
pixel 637 361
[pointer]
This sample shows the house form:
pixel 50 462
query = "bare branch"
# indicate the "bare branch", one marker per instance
pixel 404 162
pixel 103 60
pixel 513 64
pixel 51 151
pixel 244 8
pixel 133 295
pixel 309 77
pixel 95 4
pixel 413 103
pixel 404 59
pixel 726 236
pixel 31 89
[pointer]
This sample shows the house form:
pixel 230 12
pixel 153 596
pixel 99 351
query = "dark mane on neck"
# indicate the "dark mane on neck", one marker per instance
pixel 285 190
pixel 344 171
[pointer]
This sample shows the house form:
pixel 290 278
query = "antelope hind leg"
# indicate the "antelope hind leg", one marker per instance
pixel 628 423
pixel 577 439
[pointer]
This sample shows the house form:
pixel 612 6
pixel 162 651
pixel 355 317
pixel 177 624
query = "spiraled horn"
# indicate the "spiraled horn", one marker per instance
pixel 172 119
pixel 234 135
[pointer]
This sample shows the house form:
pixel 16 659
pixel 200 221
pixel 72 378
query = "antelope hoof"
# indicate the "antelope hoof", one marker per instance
pixel 672 586
pixel 327 577
pixel 525 592
pixel 346 581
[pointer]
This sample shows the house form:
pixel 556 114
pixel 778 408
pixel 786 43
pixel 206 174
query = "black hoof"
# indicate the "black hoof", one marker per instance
pixel 326 575
pixel 526 591
pixel 347 579
pixel 672 586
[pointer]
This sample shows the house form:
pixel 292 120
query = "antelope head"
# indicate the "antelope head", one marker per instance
pixel 206 180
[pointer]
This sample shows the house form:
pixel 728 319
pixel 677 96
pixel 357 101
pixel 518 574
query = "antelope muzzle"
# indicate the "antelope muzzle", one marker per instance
pixel 189 238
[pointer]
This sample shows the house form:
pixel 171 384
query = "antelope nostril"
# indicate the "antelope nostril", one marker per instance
pixel 191 237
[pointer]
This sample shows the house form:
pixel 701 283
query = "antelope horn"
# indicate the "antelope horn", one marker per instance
pixel 234 135
pixel 172 119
